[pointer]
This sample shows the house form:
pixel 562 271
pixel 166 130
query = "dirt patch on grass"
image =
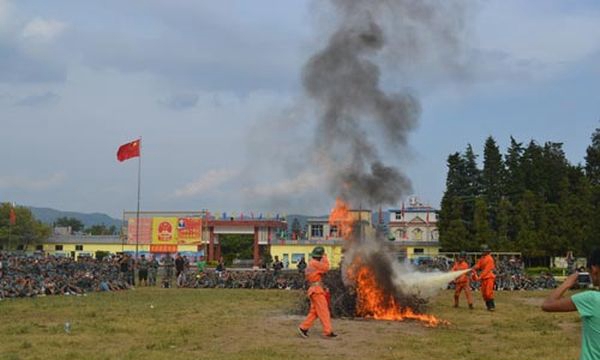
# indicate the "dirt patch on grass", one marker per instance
pixel 533 301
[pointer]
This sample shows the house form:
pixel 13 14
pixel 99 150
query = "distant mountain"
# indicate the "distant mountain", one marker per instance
pixel 49 216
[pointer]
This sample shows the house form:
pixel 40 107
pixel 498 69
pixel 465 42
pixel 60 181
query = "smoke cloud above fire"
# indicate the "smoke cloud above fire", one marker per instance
pixel 357 117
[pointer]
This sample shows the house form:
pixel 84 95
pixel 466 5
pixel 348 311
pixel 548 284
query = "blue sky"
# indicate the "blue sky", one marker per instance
pixel 214 90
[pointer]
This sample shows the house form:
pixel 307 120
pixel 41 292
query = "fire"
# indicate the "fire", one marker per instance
pixel 342 218
pixel 373 302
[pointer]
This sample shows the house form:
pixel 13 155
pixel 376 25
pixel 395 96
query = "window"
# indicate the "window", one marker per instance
pixel 398 216
pixel 418 234
pixel 333 231
pixel 316 231
pixel 39 248
pixel 296 258
pixel 58 247
pixel 400 234
pixel 418 251
pixel 78 247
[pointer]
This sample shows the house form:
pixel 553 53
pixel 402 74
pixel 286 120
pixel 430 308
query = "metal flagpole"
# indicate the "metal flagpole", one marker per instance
pixel 137 215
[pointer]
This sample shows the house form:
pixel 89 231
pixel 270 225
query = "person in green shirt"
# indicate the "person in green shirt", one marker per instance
pixel 587 303
pixel 201 264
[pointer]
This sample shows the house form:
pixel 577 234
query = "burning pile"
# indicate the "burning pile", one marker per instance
pixel 370 282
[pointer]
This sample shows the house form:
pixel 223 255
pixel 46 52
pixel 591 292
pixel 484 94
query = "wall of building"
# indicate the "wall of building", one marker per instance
pixel 90 249
pixel 294 251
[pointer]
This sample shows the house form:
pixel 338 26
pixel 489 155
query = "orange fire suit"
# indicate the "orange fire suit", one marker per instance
pixel 319 307
pixel 487 266
pixel 462 282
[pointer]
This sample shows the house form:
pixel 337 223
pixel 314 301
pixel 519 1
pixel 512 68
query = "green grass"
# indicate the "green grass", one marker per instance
pixel 257 324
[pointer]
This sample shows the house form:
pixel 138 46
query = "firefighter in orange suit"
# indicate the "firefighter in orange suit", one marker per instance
pixel 319 306
pixel 486 266
pixel 462 282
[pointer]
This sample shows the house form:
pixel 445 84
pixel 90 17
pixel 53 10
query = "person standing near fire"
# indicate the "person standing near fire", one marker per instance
pixel 462 282
pixel 486 266
pixel 319 305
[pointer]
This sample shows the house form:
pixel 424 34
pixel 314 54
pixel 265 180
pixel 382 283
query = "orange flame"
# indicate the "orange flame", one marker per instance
pixel 373 302
pixel 342 218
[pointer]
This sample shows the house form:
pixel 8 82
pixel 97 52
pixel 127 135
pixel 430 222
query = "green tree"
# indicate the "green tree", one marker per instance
pixel 503 224
pixel 75 224
pixel 25 232
pixel 527 237
pixel 592 159
pixel 455 236
pixel 482 234
pixel 515 178
pixel 455 185
pixel 236 246
pixel 101 230
pixel 493 172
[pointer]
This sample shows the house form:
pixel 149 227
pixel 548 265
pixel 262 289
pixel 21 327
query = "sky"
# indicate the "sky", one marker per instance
pixel 214 89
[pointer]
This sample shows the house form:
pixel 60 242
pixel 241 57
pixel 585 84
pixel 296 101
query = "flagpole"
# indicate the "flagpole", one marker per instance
pixel 137 215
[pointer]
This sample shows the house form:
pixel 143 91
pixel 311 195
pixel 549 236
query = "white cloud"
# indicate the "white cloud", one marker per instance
pixel 302 183
pixel 19 182
pixel 42 29
pixel 539 32
pixel 209 181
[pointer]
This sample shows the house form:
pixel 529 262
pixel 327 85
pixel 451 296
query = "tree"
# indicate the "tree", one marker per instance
pixel 592 159
pixel 492 176
pixel 482 234
pixel 75 224
pixel 455 185
pixel 514 181
pixel 527 236
pixel 24 232
pixel 492 179
pixel 472 187
pixel 101 230
pixel 555 168
pixel 471 173
pixel 455 236
pixel 503 226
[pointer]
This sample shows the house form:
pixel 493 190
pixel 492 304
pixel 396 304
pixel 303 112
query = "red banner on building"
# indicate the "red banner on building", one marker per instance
pixel 145 231
pixel 189 231
pixel 163 248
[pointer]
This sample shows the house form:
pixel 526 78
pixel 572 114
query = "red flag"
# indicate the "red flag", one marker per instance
pixel 12 217
pixel 129 150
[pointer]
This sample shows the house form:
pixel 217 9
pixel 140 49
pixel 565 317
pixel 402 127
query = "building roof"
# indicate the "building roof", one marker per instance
pixel 84 239
pixel 414 243
pixel 420 209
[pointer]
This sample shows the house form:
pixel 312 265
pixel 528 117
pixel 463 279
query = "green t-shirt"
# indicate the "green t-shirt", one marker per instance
pixel 201 265
pixel 588 306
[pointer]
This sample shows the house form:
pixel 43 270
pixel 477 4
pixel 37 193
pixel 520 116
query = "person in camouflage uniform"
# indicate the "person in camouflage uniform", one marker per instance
pixel 169 264
pixel 143 265
pixel 153 266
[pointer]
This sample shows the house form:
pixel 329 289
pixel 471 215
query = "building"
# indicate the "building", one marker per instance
pixel 413 230
pixel 291 251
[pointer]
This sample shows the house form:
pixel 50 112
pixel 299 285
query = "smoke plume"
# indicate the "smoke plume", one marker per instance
pixel 358 119
pixel 355 111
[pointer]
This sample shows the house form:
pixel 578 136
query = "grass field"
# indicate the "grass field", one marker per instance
pixel 257 324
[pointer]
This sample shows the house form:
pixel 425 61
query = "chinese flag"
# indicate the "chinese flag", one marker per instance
pixel 12 217
pixel 129 150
